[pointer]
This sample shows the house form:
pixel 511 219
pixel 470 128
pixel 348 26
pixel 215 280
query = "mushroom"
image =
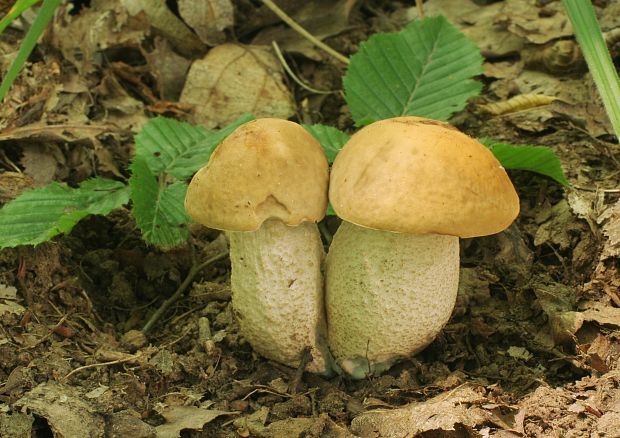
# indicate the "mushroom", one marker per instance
pixel 266 186
pixel 406 188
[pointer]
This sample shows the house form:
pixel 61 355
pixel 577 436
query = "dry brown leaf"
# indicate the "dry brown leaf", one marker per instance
pixel 478 22
pixel 445 412
pixel 179 418
pixel 40 161
pixel 602 313
pixel 208 18
pixel 322 18
pixel 105 24
pixel 162 19
pixel 234 79
pixel 65 410
pixel 539 24
pixel 12 184
pixel 610 219
pixel 169 68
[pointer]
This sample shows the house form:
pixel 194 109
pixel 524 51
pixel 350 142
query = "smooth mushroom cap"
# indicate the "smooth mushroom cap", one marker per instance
pixel 267 168
pixel 421 176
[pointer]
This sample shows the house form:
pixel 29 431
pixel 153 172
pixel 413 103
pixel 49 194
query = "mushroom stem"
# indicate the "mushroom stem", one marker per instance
pixel 387 295
pixel 277 292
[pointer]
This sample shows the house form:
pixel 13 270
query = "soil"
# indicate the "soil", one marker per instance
pixel 533 344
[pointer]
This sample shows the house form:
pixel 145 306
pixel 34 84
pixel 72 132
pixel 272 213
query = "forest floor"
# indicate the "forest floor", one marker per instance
pixel 531 349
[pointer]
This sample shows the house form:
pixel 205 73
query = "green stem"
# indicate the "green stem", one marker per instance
pixel 590 38
pixel 30 40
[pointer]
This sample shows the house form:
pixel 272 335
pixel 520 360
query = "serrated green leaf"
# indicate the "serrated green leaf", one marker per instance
pixel 157 206
pixel 424 70
pixel 177 148
pixel 40 214
pixel 539 159
pixel 332 139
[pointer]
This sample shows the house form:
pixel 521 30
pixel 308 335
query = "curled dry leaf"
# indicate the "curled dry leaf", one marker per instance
pixel 234 79
pixel 610 219
pixel 538 24
pixel 179 418
pixel 208 18
pixel 449 411
pixel 478 22
pixel 105 24
pixel 166 23
pixel 64 409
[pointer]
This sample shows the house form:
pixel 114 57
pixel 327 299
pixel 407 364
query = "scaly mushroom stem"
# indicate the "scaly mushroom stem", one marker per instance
pixel 277 292
pixel 388 295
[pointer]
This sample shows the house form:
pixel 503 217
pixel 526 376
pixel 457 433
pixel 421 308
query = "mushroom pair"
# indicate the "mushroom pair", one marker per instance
pixel 406 188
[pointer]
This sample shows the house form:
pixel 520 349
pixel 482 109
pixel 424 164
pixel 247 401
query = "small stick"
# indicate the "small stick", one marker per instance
pixel 195 269
pixel 299 82
pixel 303 32
pixel 420 5
pixel 103 364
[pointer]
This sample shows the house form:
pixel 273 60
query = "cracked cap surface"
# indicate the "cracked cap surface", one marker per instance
pixel 267 168
pixel 421 176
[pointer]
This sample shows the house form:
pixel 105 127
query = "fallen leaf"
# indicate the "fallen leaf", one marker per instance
pixel 610 219
pixel 449 411
pixel 322 18
pixel 64 409
pixel 40 161
pixel 179 418
pixel 538 24
pixel 234 79
pixel 167 24
pixel 169 69
pixel 208 18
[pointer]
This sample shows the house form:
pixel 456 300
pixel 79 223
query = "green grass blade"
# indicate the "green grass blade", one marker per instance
pixel 16 10
pixel 46 12
pixel 538 159
pixel 40 214
pixel 424 70
pixel 590 38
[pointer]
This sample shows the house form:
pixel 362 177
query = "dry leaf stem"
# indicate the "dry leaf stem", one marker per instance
pixel 303 32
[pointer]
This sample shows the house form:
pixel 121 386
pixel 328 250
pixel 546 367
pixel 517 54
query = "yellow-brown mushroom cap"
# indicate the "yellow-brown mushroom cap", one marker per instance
pixel 421 176
pixel 267 168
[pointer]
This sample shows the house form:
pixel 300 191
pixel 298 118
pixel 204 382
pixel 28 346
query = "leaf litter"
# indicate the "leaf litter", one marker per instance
pixel 532 348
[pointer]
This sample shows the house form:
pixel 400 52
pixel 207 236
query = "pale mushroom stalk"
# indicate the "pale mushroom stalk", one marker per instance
pixel 406 188
pixel 277 289
pixel 389 294
pixel 266 186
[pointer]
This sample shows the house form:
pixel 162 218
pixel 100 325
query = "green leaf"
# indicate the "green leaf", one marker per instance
pixel 332 139
pixel 177 148
pixel 40 214
pixel 424 70
pixel 157 206
pixel 539 159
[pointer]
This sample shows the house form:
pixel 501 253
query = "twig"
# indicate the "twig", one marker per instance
pixel 103 364
pixel 302 84
pixel 195 269
pixel 420 5
pixel 48 335
pixel 303 32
